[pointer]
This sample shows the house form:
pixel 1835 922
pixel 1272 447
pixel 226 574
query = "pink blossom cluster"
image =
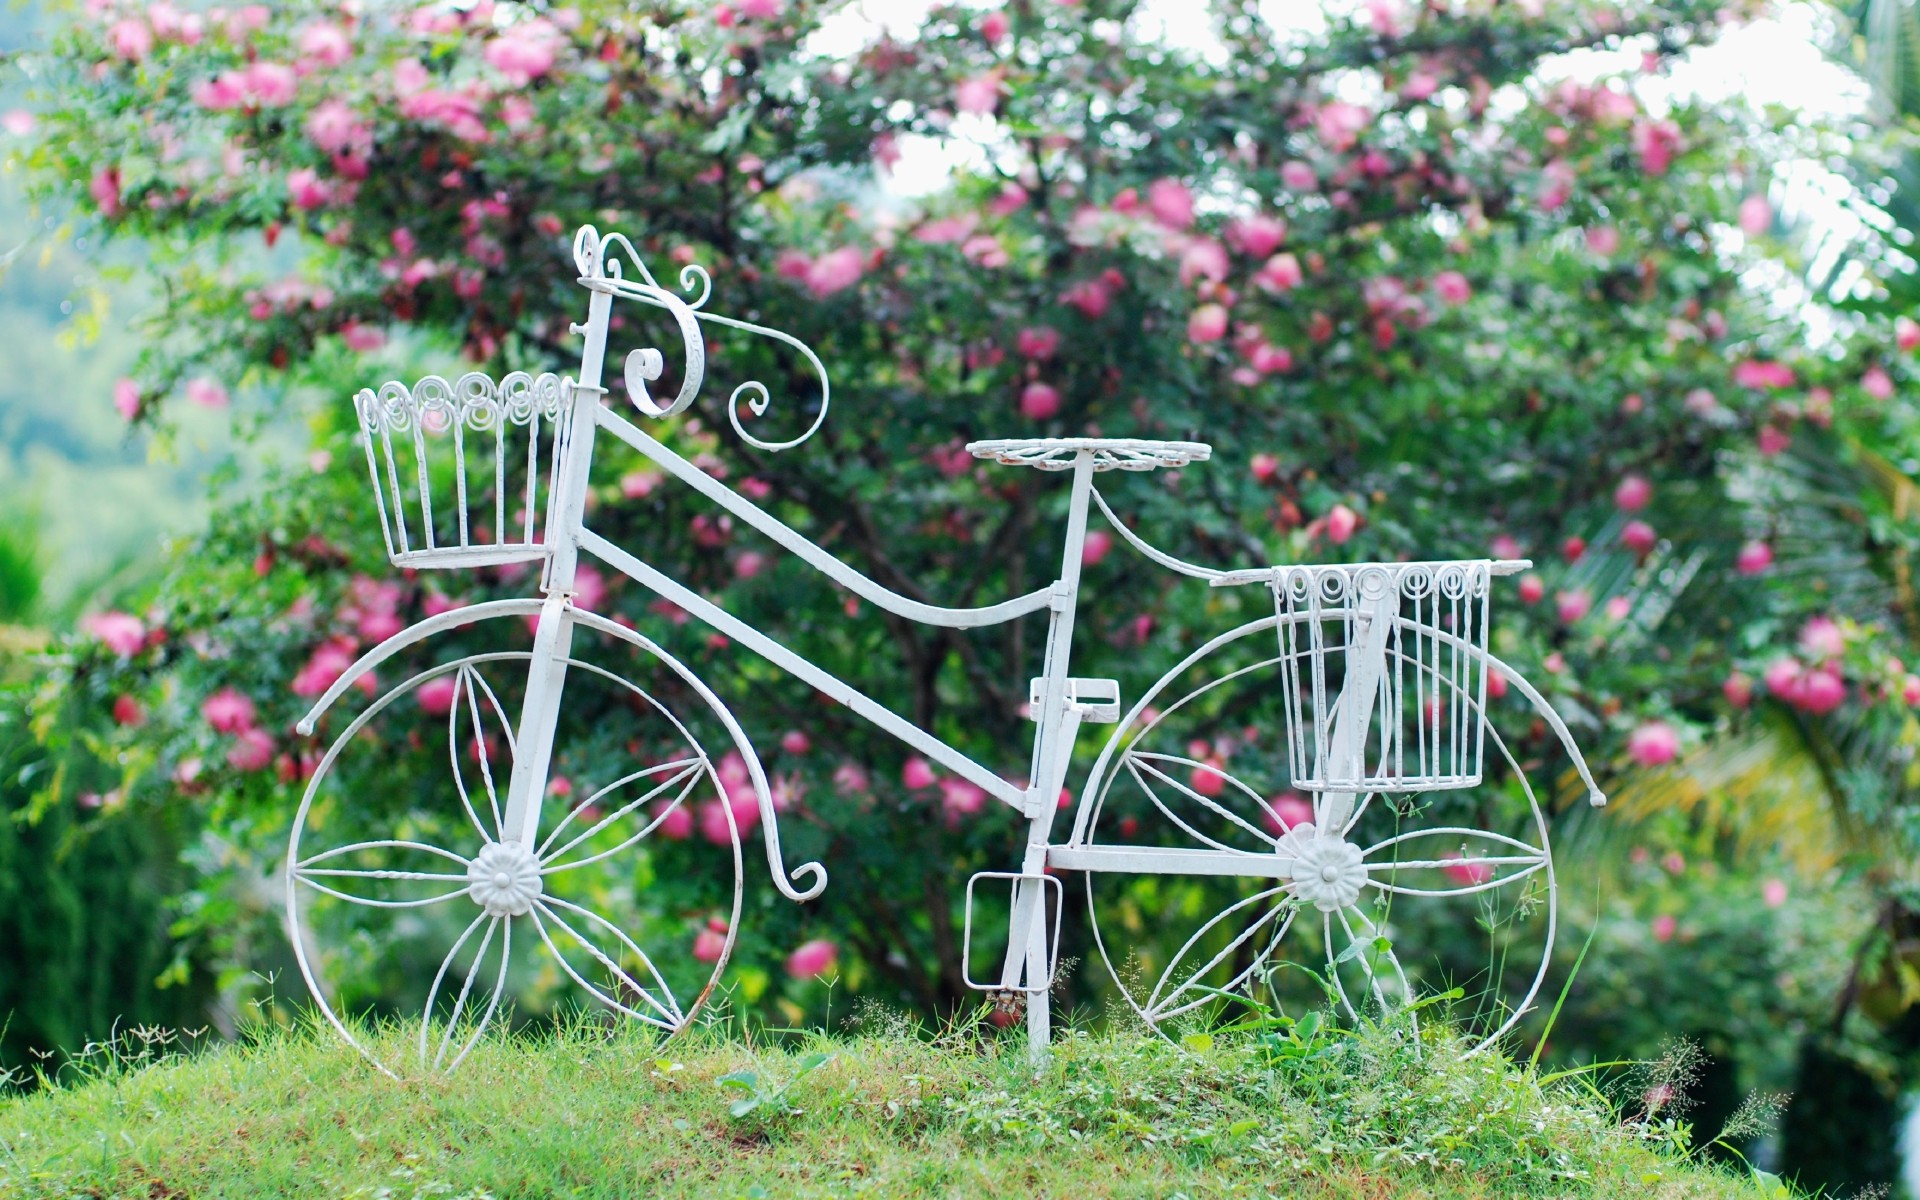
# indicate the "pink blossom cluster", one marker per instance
pixel 260 84
pixel 132 39
pixel 525 50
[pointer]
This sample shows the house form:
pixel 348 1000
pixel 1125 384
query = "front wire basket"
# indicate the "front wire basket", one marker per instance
pixel 1384 674
pixel 471 454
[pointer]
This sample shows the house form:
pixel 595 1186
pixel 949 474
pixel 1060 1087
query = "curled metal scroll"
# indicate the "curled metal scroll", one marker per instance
pixel 603 262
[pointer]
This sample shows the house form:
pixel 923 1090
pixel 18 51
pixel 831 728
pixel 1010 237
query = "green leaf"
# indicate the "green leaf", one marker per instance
pixel 740 1108
pixel 1199 1043
pixel 1239 1127
pixel 744 1081
pixel 1771 1186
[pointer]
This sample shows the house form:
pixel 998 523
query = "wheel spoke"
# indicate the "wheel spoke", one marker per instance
pixel 669 1012
pixel 689 775
pixel 1158 1008
pixel 308 870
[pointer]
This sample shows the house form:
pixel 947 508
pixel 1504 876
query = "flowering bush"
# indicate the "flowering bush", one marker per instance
pixel 1428 295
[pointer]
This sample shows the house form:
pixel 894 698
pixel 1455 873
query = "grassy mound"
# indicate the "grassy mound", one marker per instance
pixel 1304 1113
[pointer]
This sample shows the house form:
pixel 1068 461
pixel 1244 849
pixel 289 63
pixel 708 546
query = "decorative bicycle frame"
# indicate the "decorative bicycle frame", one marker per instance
pixel 1384 674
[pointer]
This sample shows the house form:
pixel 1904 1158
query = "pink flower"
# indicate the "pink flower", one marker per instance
pixel 813 959
pixel 1822 691
pixel 1203 258
pixel 1664 927
pixel 959 798
pixel 1091 296
pixel 1207 324
pixel 1632 494
pixel 1297 176
pixel 1758 373
pixel 436 695
pixel 1738 690
pixel 1756 216
pixel 1038 342
pixel 251 751
pixel 1496 685
pixel 1339 124
pixel 795 742
pixel 1773 440
pixel 1452 287
pixel 835 271
pixel 1773 893
pixel 1265 467
pixel 333 127
pixel 1906 331
pixel 362 337
pixel 325 44
pixel 128 711
pixel 126 398
pixel 305 189
pixel 206 392
pixel 1170 202
pixel 709 944
pixel 979 95
pixel 993 27
pixel 129 38
pixel 1877 383
pixel 17 121
pixel 986 250
pixel 675 823
pixel 1341 522
pixel 228 711
pixel 1656 142
pixel 526 50
pixel 715 825
pixel 1256 236
pixel 1573 604
pixel 1754 557
pixel 1466 872
pixel 1910 690
pixel 1420 85
pixel 1208 779
pixel 1603 240
pixel 119 632
pixel 270 85
pixel 749 564
pixel 1280 273
pixel 1533 589
pixel 323 668
pixel 1289 810
pixel 1556 185
pixel 1821 639
pixel 1098 545
pixel 1618 607
pixel 1039 402
pixel 851 779
pixel 1653 744
pixel 918 773
pixel 759 10
pixel 105 190
pixel 1010 199
pixel 1269 359
pixel 1639 537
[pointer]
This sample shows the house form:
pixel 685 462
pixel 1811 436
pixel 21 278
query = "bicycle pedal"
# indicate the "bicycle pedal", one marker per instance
pixel 1097 699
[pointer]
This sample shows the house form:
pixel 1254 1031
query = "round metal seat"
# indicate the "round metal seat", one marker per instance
pixel 1109 454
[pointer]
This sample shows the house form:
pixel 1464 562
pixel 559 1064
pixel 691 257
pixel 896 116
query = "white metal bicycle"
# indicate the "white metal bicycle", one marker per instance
pixel 1380 671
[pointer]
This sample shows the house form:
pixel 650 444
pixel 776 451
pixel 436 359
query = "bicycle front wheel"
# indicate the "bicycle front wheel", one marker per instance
pixel 419 922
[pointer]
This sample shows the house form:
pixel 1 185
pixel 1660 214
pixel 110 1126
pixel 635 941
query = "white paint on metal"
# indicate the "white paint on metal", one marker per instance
pixel 1382 666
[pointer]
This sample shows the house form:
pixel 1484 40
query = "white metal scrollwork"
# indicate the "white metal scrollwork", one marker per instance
pixel 1379 673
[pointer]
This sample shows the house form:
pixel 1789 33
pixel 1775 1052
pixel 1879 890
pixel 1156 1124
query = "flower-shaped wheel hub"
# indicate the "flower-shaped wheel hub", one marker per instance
pixel 504 879
pixel 1328 871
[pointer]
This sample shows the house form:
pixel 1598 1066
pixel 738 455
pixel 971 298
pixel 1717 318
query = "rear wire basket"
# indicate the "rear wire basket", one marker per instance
pixel 462 471
pixel 1417 722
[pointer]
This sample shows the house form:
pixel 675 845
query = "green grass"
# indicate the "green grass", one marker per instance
pixel 596 1112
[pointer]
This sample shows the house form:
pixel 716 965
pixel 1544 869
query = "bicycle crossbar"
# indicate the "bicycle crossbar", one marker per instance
pixel 829 685
pixel 1156 860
